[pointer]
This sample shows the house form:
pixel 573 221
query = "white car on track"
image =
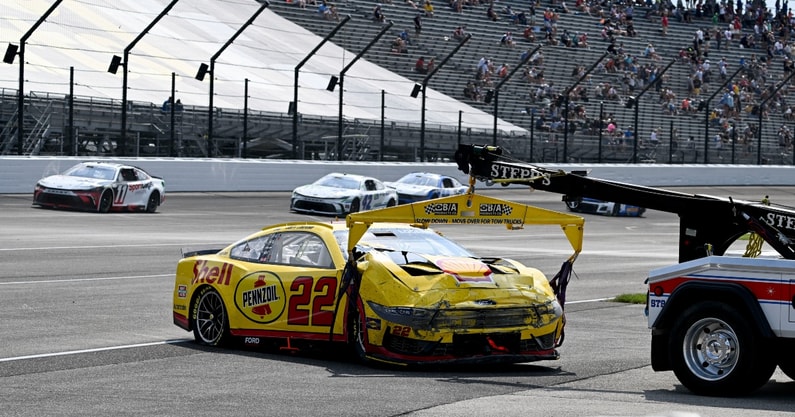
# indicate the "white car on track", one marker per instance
pixel 418 186
pixel 340 194
pixel 101 187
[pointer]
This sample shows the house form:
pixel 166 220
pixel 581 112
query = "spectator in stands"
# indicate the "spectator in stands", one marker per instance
pixel 458 6
pixel 332 13
pixel 651 53
pixel 503 71
pixel 627 137
pixel 431 65
pixel 428 7
pixel 582 40
pixel 399 46
pixel 521 19
pixel 654 138
pixel 664 23
pixel 471 91
pixel 491 14
pixel 419 66
pixel 459 33
pixel 565 38
pixel 166 107
pixel 405 36
pixel 178 106
pixel 529 34
pixel 378 14
pixel 412 4
pixel 507 40
pixel 417 24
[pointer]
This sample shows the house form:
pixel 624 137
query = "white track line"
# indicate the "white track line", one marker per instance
pixel 56 281
pixel 103 349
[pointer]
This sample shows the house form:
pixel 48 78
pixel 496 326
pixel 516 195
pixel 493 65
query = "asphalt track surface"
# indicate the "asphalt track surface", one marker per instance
pixel 86 330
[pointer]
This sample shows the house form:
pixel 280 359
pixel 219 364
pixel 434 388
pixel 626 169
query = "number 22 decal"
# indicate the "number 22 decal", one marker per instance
pixel 312 302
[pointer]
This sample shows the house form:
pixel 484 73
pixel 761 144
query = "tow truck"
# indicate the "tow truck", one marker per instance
pixel 720 322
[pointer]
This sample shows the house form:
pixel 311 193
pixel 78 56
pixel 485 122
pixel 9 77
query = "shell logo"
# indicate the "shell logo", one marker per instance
pixel 260 296
pixel 465 269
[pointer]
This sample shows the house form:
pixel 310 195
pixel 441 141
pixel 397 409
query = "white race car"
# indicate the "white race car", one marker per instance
pixel 102 187
pixel 417 186
pixel 339 194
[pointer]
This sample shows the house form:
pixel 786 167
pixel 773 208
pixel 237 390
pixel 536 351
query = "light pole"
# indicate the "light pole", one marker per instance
pixel 8 58
pixel 118 61
pixel 424 88
pixel 204 70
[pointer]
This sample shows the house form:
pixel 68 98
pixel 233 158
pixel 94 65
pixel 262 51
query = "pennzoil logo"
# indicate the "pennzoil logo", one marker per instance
pixel 492 209
pixel 442 209
pixel 260 296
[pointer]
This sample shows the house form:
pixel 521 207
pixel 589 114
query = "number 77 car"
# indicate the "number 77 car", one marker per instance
pixel 383 283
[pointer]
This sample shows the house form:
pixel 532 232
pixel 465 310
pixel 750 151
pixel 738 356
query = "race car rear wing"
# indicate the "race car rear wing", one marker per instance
pixel 708 224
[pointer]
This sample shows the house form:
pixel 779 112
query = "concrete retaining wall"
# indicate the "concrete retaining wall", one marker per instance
pixel 18 175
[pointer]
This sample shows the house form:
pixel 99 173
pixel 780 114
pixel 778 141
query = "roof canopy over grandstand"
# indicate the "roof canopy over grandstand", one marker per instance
pixel 85 34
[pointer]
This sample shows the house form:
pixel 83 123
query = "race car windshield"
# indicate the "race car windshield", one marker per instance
pixel 415 240
pixel 339 182
pixel 91 171
pixel 417 180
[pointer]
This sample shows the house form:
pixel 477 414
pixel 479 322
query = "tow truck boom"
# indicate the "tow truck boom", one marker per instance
pixel 708 224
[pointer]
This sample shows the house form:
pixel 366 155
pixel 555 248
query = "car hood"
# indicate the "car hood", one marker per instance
pixel 66 182
pixel 460 281
pixel 412 189
pixel 322 191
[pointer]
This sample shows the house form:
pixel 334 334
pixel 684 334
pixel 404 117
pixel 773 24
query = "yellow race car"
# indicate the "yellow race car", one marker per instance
pixel 383 282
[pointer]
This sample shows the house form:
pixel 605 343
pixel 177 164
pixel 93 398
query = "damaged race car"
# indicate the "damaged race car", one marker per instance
pixel 384 283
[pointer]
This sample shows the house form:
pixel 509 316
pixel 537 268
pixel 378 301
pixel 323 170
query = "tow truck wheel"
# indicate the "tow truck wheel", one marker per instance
pixel 715 352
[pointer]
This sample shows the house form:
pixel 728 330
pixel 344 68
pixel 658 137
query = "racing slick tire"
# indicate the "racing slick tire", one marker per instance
pixel 391 203
pixel 210 321
pixel 105 201
pixel 715 351
pixel 355 205
pixel 573 205
pixel 153 202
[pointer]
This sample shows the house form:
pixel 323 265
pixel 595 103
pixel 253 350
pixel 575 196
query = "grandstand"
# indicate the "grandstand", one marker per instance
pixel 380 118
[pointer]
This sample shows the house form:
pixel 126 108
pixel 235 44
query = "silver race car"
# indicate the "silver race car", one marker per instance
pixel 418 186
pixel 339 194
